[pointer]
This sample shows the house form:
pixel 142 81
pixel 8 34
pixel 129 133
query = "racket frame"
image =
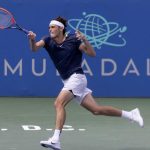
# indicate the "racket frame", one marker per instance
pixel 13 25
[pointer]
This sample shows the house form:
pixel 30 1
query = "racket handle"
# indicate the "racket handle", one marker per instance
pixel 25 31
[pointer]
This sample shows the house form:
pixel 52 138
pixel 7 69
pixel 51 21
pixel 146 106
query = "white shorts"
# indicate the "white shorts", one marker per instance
pixel 77 83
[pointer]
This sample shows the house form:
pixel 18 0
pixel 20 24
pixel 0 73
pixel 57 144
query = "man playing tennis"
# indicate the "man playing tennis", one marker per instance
pixel 66 53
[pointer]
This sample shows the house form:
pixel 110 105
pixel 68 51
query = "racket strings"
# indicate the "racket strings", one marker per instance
pixel 6 20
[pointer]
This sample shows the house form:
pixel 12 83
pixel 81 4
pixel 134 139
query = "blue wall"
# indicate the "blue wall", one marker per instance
pixel 118 30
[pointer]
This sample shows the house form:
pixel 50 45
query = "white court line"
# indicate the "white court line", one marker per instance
pixel 4 129
pixel 49 129
pixel 82 129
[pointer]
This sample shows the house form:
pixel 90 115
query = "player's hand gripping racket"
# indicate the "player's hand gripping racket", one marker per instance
pixel 7 21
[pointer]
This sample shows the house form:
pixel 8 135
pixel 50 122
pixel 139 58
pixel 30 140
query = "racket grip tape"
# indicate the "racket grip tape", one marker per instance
pixel 25 31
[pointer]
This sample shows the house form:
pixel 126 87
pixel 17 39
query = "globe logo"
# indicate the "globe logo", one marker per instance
pixel 99 31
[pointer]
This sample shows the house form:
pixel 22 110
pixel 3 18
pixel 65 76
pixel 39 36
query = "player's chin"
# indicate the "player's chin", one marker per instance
pixel 52 35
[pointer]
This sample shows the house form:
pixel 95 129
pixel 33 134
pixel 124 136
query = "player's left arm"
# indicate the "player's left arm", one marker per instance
pixel 85 46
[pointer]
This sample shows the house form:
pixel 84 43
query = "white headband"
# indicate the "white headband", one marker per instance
pixel 55 22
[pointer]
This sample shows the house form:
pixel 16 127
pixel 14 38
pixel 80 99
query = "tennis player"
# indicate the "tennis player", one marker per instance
pixel 66 53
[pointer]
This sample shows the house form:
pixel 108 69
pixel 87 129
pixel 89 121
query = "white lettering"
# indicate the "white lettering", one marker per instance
pixel 31 127
pixel 43 71
pixel 88 70
pixel 148 67
pixel 38 128
pixel 133 70
pixel 8 67
pixel 67 128
pixel 109 67
pixel 103 65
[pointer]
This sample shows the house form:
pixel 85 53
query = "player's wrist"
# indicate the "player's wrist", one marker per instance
pixel 32 40
pixel 84 40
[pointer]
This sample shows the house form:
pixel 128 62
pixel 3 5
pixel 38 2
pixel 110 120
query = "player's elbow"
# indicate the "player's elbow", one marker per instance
pixel 92 53
pixel 34 49
pixel 34 46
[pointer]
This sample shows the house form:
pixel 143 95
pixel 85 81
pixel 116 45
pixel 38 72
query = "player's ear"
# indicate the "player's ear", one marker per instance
pixel 61 28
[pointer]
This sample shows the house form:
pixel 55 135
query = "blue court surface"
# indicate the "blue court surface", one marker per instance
pixel 24 122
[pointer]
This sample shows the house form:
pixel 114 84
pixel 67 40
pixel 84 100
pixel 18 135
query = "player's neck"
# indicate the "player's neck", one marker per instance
pixel 60 39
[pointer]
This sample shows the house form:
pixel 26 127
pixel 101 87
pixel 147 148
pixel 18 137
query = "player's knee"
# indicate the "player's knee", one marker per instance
pixel 97 111
pixel 94 111
pixel 58 104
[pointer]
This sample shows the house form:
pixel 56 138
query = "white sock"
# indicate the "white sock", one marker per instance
pixel 56 135
pixel 126 114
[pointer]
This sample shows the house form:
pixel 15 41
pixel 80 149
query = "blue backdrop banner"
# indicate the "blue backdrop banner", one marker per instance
pixel 118 30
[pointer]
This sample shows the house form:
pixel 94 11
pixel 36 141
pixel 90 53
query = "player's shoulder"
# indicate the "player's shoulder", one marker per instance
pixel 71 36
pixel 46 38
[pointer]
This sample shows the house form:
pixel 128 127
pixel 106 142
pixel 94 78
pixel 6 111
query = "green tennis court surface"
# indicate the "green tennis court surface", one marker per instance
pixel 26 121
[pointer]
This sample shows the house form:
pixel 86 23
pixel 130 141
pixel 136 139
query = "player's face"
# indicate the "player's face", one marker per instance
pixel 54 31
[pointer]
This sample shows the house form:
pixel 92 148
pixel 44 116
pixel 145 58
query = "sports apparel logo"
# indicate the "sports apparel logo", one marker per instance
pixel 99 31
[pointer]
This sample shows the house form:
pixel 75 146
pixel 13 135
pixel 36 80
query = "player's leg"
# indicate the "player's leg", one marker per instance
pixel 61 101
pixel 90 104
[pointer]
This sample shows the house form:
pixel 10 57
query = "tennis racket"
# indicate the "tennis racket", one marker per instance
pixel 7 21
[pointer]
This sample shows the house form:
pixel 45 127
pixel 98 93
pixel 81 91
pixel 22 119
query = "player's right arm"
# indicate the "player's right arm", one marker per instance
pixel 33 44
